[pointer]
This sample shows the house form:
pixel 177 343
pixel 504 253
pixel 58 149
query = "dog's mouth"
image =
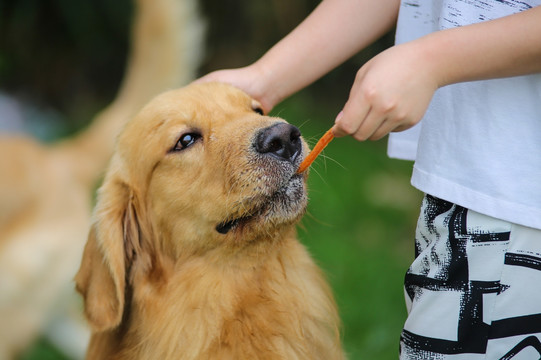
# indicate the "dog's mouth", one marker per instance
pixel 225 227
pixel 284 205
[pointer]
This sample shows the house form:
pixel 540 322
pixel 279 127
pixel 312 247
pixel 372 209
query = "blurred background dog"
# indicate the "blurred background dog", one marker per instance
pixel 46 189
pixel 61 62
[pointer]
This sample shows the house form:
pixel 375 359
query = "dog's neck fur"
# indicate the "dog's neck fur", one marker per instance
pixel 230 307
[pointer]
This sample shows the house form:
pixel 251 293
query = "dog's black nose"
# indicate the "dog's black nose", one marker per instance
pixel 282 141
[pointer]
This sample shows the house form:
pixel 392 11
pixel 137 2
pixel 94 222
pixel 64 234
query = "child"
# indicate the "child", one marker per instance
pixel 472 71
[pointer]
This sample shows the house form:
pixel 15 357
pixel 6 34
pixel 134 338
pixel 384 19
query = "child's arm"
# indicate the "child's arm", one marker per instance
pixel 392 91
pixel 332 33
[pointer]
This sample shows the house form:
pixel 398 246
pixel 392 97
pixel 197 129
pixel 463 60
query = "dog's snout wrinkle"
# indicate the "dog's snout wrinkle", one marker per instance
pixel 282 141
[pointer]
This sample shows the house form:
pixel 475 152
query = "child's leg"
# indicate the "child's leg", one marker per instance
pixel 474 289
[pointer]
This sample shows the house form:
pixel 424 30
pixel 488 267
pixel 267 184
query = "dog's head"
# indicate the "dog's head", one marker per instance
pixel 198 169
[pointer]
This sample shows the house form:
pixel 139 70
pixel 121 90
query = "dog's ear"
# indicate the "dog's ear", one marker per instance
pixel 113 241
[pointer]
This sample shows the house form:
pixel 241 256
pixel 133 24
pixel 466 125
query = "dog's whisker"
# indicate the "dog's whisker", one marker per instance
pixel 318 220
pixel 303 123
pixel 325 157
pixel 320 176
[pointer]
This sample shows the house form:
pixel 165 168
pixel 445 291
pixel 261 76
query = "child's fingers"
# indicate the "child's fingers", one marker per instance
pixel 370 125
pixel 385 128
pixel 351 117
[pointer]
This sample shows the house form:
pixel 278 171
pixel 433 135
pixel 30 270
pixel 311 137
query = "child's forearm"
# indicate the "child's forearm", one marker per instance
pixel 504 47
pixel 392 91
pixel 334 31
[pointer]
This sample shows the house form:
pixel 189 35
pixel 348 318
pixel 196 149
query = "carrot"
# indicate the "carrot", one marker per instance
pixel 321 144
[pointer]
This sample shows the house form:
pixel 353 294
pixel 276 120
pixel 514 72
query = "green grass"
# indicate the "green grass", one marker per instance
pixel 359 228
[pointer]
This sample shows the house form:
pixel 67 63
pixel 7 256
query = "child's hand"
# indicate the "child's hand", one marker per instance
pixel 391 92
pixel 250 79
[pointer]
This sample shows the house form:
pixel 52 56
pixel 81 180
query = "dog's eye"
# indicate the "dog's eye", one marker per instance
pixel 256 107
pixel 186 141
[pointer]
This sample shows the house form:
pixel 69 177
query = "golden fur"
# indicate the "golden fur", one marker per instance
pixel 46 189
pixel 160 281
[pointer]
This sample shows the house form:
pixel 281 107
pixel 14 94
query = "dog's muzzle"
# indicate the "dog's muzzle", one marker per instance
pixel 280 147
pixel 282 141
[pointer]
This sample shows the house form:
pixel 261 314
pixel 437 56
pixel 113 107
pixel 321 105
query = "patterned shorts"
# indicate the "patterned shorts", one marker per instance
pixel 474 289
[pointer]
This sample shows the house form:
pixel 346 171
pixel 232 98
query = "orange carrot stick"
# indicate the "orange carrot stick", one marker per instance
pixel 321 144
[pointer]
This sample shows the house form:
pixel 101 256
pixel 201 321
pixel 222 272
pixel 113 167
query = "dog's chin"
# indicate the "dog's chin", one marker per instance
pixel 284 207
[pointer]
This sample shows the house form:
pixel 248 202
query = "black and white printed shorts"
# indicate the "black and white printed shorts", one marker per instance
pixel 474 288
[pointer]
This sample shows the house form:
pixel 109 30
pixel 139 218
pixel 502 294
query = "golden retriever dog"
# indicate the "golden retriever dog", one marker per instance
pixel 46 189
pixel 193 251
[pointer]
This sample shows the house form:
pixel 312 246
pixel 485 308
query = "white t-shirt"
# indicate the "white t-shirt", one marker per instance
pixel 479 143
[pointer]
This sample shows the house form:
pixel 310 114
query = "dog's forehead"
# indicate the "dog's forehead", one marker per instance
pixel 209 97
pixel 193 103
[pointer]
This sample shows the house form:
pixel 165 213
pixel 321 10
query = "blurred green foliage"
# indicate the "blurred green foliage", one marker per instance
pixel 42 350
pixel 69 57
pixel 63 57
